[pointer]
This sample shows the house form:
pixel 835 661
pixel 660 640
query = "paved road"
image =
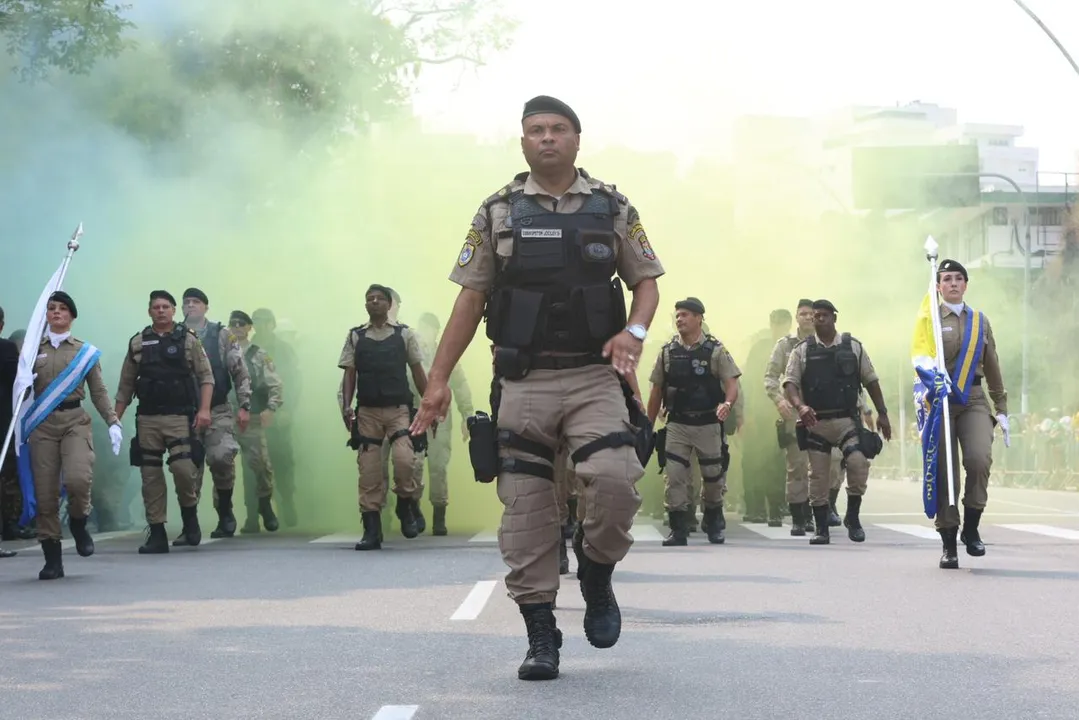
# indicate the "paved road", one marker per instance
pixel 763 627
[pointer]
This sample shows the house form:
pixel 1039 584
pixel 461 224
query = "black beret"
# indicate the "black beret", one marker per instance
pixel 780 315
pixel 805 302
pixel 824 305
pixel 264 314
pixel 690 303
pixel 197 294
pixel 240 315
pixel 162 295
pixel 62 297
pixel 952 266
pixel 542 104
pixel 381 289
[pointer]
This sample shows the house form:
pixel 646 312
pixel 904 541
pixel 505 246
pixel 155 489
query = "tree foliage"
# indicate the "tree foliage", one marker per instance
pixel 69 35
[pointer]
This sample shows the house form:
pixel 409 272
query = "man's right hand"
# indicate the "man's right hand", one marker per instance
pixel 348 416
pixel 807 416
pixel 434 406
pixel 785 409
pixel 202 420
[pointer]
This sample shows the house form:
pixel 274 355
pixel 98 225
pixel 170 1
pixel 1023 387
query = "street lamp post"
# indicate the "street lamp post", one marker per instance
pixel 1049 32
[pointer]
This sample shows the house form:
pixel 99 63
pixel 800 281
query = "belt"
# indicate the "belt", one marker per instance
pixel 693 419
pixel 834 414
pixel 69 405
pixel 565 362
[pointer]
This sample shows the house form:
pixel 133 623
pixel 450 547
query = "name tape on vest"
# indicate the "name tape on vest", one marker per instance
pixel 541 232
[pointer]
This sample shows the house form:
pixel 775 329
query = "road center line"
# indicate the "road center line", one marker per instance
pixel 473 605
pixel 396 712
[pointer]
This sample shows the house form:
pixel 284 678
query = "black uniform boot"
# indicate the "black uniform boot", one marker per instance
pixel 809 517
pixel 408 520
pixel 798 524
pixel 269 519
pixel 192 531
pixel 156 541
pixel 950 559
pixel 820 537
pixel 970 536
pixel 851 521
pixel 602 618
pixel 833 517
pixel 571 521
pixel 714 525
pixel 677 520
pixel 226 520
pixel 775 514
pixel 54 560
pixel 372 531
pixel 440 521
pixel 84 544
pixel 544 642
pixel 691 519
pixel 563 558
pixel 417 512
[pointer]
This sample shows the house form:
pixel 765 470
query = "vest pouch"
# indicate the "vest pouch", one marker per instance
pixel 521 319
pixel 870 443
pixel 848 364
pixel 594 305
pixel 597 248
pixel 538 249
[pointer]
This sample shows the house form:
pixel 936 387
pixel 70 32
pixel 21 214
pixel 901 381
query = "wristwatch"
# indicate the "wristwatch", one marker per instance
pixel 637 331
pixel 246 406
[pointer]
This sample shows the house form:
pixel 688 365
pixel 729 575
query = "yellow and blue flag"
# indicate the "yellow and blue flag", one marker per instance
pixel 930 389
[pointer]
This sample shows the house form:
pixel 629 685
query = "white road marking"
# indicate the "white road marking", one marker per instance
pixel 1048 530
pixel 774 533
pixel 987 514
pixel 485 537
pixel 1062 513
pixel 69 543
pixel 396 712
pixel 338 539
pixel 473 605
pixel 919 531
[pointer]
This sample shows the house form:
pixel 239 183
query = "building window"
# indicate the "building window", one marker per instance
pixel 1000 216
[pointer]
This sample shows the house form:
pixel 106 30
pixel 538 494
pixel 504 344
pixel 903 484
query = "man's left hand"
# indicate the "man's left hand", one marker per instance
pixel 723 411
pixel 242 419
pixel 885 426
pixel 624 350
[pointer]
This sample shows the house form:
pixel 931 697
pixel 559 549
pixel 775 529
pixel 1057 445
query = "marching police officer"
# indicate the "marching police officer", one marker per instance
pixel 374 359
pixel 822 380
pixel 220 440
pixel 168 369
pixel 696 380
pixel 970 356
pixel 540 262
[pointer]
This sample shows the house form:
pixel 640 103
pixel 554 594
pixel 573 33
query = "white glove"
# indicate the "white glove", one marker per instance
pixel 1003 420
pixel 116 434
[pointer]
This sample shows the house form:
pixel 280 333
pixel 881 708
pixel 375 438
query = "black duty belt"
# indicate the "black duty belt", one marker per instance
pixel 833 414
pixel 565 362
pixel 69 405
pixel 694 419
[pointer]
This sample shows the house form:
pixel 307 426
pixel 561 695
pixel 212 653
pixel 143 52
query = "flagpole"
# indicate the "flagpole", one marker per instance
pixel 931 248
pixel 72 247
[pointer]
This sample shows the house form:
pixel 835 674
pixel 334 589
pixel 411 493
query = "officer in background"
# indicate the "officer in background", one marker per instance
pixel 10 494
pixel 696 380
pixel 822 381
pixel 267 396
pixel 970 356
pixel 797 492
pixel 279 434
pixel 540 262
pixel 763 462
pixel 220 441
pixel 168 369
pixel 374 359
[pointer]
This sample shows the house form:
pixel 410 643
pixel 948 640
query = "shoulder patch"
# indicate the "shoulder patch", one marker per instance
pixel 504 191
pixel 638 235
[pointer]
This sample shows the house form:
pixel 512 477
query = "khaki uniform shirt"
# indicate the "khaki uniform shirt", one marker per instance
pixel 233 360
pixel 263 374
pixel 378 334
pixel 721 364
pixel 51 362
pixel 193 353
pixel 489 242
pixel 796 364
pixel 952 326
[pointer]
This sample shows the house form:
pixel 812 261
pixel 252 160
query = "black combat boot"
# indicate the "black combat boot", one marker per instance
pixel 84 544
pixel 775 514
pixel 226 520
pixel 571 521
pixel 54 560
pixel 602 618
pixel 714 524
pixel 544 642
pixel 156 540
pixel 417 512
pixel 833 516
pixel 563 558
pixel 798 524
pixel 192 531
pixel 809 517
pixel 970 536
pixel 691 519
pixel 372 531
pixel 950 559
pixel 677 520
pixel 820 536
pixel 408 519
pixel 440 521
pixel 851 521
pixel 269 520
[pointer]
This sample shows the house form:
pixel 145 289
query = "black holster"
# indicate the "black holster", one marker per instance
pixel 783 436
pixel 354 440
pixel 661 447
pixel 483 446
pixel 645 438
pixel 511 363
pixel 801 435
pixel 869 442
pixel 134 453
pixel 419 442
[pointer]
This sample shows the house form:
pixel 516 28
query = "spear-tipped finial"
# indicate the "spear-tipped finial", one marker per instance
pixel 73 243
pixel 931 248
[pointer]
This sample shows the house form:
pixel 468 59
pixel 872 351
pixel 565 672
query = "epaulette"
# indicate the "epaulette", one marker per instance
pixel 505 190
pixel 607 188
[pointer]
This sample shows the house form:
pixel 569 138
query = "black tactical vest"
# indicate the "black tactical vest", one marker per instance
pixel 692 392
pixel 165 385
pixel 381 380
pixel 832 378
pixel 558 290
pixel 222 379
pixel 260 395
